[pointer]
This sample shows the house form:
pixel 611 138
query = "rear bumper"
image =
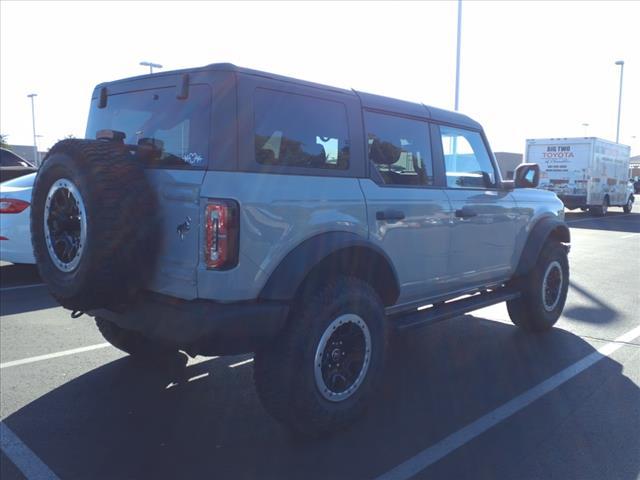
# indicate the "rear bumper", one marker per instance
pixel 573 201
pixel 16 229
pixel 201 326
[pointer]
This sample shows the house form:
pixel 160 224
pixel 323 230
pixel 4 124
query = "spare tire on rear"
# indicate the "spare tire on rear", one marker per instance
pixel 93 224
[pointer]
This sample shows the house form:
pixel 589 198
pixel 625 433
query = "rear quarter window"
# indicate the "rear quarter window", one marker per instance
pixel 300 131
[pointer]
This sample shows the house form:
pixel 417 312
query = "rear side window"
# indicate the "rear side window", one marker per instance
pixel 466 159
pixel 175 131
pixel 399 149
pixel 300 131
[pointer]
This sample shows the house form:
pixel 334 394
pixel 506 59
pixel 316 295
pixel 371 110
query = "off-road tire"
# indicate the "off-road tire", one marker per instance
pixel 600 210
pixel 628 206
pixel 528 311
pixel 131 342
pixel 284 370
pixel 121 224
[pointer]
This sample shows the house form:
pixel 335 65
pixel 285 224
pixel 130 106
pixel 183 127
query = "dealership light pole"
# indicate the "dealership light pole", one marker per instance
pixel 621 63
pixel 151 65
pixel 458 54
pixel 33 123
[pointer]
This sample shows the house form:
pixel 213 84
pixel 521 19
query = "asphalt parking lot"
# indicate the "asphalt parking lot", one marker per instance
pixel 473 397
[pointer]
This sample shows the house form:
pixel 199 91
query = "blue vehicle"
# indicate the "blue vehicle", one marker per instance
pixel 222 210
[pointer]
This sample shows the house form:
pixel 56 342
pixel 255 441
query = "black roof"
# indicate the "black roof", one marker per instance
pixel 370 101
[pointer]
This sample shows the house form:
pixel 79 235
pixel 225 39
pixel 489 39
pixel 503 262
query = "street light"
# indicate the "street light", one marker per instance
pixel 458 54
pixel 33 122
pixel 151 65
pixel 585 125
pixel 621 63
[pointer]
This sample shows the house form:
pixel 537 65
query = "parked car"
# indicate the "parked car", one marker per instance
pixel 15 231
pixel 220 210
pixel 13 165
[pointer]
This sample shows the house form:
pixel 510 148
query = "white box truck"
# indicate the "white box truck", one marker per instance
pixel 587 173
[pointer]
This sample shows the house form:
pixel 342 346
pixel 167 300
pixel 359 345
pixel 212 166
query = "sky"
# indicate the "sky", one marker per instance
pixel 528 69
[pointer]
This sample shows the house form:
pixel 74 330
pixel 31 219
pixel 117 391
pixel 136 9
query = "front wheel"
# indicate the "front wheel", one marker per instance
pixel 543 291
pixel 321 374
pixel 629 206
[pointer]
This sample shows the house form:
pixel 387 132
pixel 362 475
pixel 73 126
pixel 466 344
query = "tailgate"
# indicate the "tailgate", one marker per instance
pixel 178 194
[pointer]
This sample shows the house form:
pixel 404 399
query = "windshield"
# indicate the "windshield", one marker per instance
pixel 174 131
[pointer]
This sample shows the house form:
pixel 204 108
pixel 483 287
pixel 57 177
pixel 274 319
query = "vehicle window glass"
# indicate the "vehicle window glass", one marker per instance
pixel 10 159
pixel 467 162
pixel 174 131
pixel 399 149
pixel 300 131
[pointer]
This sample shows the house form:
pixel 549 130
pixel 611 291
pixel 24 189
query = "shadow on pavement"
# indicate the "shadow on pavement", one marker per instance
pixel 20 274
pixel 614 221
pixel 121 420
pixel 595 310
pixel 26 300
pixel 22 300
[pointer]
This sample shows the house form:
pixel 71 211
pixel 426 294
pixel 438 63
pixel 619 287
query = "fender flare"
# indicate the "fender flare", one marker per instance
pixel 371 261
pixel 541 231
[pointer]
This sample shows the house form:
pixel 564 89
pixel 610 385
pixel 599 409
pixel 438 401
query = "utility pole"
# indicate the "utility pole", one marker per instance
pixel 36 157
pixel 458 54
pixel 151 65
pixel 621 63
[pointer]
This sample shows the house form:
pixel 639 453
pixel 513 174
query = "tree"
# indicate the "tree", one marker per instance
pixel 3 141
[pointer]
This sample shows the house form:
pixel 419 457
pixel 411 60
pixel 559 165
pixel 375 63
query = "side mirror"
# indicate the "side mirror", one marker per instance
pixel 527 175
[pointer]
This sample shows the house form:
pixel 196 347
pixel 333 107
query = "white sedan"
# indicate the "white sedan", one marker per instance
pixel 15 232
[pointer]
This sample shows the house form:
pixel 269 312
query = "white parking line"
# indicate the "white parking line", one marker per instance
pixel 23 457
pixel 15 363
pixel 244 362
pixel 444 447
pixel 20 287
pixel 598 218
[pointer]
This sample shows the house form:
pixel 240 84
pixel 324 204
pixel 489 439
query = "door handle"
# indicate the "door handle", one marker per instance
pixel 466 212
pixel 390 215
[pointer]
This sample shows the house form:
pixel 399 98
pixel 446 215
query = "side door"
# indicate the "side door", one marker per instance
pixel 483 225
pixel 408 213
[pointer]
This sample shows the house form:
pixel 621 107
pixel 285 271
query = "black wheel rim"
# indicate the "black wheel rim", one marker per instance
pixel 552 286
pixel 342 357
pixel 65 225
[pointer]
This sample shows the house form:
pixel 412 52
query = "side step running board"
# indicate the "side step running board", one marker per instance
pixel 444 311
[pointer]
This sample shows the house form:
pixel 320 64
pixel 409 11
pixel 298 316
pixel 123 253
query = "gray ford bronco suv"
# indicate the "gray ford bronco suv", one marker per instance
pixel 221 210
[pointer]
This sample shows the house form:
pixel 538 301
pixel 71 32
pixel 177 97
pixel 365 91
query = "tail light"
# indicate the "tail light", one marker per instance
pixel 222 229
pixel 12 205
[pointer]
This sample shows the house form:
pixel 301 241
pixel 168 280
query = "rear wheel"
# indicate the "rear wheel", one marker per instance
pixel 629 206
pixel 321 374
pixel 543 291
pixel 601 210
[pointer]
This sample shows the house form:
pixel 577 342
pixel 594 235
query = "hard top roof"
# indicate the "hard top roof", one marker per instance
pixel 368 100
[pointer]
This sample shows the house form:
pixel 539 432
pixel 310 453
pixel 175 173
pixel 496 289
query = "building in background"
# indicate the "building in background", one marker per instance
pixel 508 162
pixel 634 167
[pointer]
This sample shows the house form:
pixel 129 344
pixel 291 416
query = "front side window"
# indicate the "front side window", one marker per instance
pixel 299 131
pixel 399 149
pixel 467 162
pixel 175 131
